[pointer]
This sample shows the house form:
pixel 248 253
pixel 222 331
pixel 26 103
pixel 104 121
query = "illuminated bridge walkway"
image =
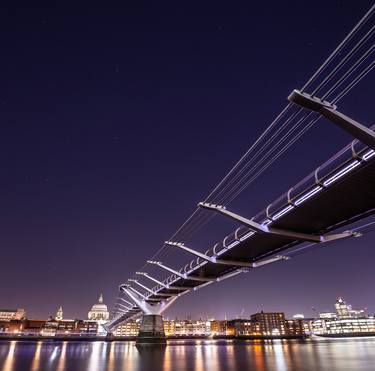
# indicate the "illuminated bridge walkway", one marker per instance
pixel 315 211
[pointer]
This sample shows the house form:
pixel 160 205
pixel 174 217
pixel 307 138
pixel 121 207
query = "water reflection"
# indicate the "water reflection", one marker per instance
pixel 9 360
pixel 61 362
pixel 35 366
pixel 212 355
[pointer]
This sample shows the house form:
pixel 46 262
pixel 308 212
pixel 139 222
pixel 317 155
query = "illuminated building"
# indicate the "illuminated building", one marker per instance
pixel 295 327
pixel 169 327
pixel 128 329
pixel 218 327
pixel 27 326
pixel 344 326
pixel 12 314
pixel 345 321
pixel 343 310
pixel 87 327
pixel 239 327
pixel 269 323
pixel 187 327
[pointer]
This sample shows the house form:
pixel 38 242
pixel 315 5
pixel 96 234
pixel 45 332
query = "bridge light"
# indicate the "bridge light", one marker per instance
pixel 342 172
pixel 308 195
pixel 282 212
pixel 369 155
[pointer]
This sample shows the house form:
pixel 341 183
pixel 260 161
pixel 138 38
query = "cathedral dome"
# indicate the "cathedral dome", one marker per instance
pixel 99 311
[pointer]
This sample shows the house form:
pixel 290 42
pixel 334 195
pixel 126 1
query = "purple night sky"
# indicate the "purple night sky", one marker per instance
pixel 115 122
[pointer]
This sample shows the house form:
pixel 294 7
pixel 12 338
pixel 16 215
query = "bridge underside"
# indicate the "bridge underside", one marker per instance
pixel 331 208
pixel 338 198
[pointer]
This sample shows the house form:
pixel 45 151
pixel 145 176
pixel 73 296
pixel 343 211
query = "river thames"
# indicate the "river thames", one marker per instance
pixel 280 355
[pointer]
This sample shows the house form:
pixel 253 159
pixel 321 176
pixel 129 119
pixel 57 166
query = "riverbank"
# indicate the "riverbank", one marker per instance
pixel 12 337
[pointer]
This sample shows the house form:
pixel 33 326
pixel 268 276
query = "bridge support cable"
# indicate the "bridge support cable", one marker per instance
pixel 328 110
pixel 339 48
pixel 263 228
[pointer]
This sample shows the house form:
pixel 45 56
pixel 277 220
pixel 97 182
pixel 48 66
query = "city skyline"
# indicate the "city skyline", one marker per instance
pixel 98 173
pixel 243 314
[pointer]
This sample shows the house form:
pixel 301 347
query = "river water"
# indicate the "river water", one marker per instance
pixel 212 355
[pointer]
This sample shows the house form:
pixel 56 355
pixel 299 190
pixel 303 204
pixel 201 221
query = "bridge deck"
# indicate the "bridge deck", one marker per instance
pixel 342 191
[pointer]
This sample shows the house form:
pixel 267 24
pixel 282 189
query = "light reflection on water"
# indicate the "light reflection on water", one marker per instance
pixel 200 355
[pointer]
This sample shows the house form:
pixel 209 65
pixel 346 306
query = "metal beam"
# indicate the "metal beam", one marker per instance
pixel 144 274
pixel 275 231
pixel 328 110
pixel 181 246
pixel 270 260
pixel 124 306
pixel 138 298
pixel 119 311
pixel 127 302
pixel 181 275
pixel 148 289
pixel 153 299
pixel 137 292
pixel 210 259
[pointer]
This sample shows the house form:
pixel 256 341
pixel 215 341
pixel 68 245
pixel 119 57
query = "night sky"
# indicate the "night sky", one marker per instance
pixel 115 122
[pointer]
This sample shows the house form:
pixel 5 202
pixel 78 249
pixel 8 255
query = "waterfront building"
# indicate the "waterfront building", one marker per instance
pixel 128 329
pixel 218 327
pixel 344 321
pixel 27 326
pixel 169 327
pixel 239 327
pixel 295 327
pixel 187 327
pixel 268 323
pixel 12 314
pixel 87 327
pixel 344 326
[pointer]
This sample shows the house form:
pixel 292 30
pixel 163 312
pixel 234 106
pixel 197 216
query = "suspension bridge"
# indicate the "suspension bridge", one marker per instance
pixel 318 210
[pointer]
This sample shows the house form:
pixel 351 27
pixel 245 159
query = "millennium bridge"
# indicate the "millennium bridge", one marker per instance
pixel 318 210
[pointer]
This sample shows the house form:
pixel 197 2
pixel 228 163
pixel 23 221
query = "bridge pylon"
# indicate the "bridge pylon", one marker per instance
pixel 151 331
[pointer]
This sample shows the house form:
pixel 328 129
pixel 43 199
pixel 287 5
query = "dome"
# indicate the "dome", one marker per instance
pixel 99 311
